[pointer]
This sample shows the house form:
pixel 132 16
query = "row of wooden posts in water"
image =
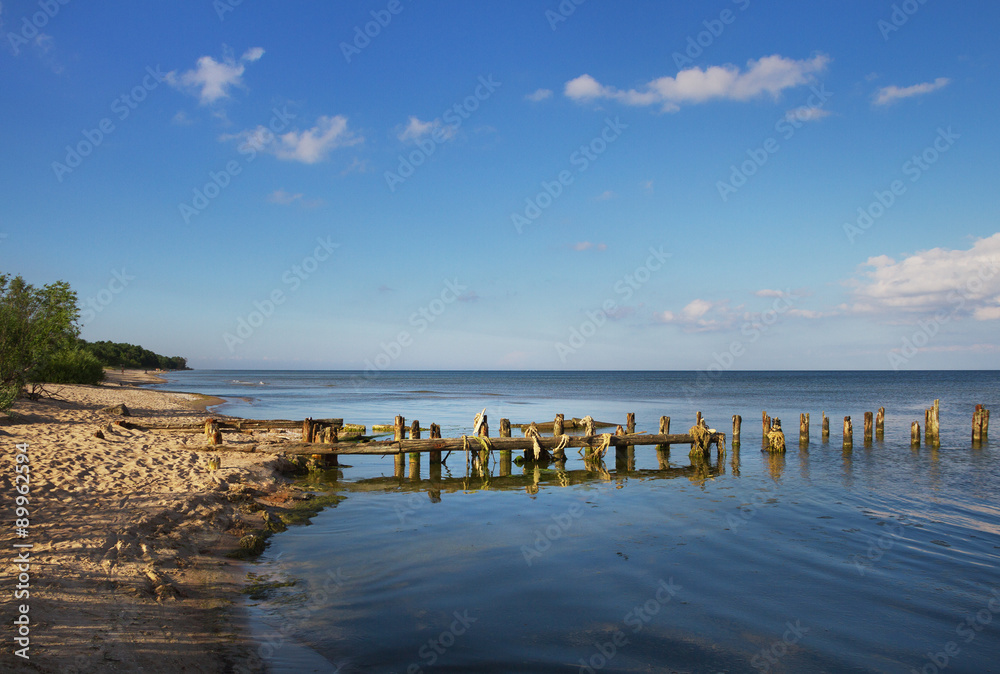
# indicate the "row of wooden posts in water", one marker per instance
pixel 774 436
pixel 326 439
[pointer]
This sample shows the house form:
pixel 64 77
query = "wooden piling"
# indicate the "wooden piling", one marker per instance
pixel 399 434
pixel 697 419
pixel 737 425
pixel 765 424
pixel 776 437
pixel 804 428
pixel 915 434
pixel 630 423
pixel 435 456
pixel 212 432
pixel 415 456
pixel 588 425
pixel 557 425
pixel 978 417
pixel 869 417
pixel 307 430
pixel 880 424
pixel 506 456
pixel 848 432
pixel 932 423
pixel 664 425
pixel 621 452
pixel 825 432
pixel 332 436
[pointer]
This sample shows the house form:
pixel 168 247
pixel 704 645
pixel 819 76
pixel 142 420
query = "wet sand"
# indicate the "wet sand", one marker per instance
pixel 130 533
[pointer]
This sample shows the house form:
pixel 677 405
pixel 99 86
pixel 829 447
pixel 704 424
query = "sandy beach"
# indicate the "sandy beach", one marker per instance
pixel 129 533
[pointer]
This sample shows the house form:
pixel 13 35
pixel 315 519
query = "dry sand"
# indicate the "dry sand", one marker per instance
pixel 130 533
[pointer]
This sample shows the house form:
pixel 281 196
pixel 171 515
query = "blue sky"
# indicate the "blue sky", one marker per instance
pixel 541 185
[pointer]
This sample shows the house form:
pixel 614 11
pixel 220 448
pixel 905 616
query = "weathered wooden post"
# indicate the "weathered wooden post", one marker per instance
pixel 505 454
pixel 932 421
pixel 557 425
pixel 663 451
pixel 804 428
pixel 588 425
pixel 333 437
pixel 765 424
pixel 826 427
pixel 848 432
pixel 415 456
pixel 630 423
pixel 435 458
pixel 980 424
pixel 880 424
pixel 868 428
pixel 776 437
pixel 398 435
pixel 621 451
pixel 307 432
pixel 697 418
pixel 915 434
pixel 212 432
pixel 737 425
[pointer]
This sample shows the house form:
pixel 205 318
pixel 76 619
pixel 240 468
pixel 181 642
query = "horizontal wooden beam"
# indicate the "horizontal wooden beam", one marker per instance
pixel 457 444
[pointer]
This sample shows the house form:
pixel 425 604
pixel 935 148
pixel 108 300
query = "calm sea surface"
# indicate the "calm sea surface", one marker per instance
pixel 880 559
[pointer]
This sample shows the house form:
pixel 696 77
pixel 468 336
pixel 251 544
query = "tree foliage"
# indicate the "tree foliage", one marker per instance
pixel 118 354
pixel 35 324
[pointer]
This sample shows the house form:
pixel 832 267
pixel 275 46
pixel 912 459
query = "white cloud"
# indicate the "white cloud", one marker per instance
pixel 891 94
pixel 587 245
pixel 212 80
pixel 647 186
pixel 284 198
pixel 539 95
pixel 415 129
pixel 768 75
pixel 309 146
pixel 703 316
pixel 963 282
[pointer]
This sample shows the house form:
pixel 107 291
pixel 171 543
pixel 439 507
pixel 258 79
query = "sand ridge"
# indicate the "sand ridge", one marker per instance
pixel 129 534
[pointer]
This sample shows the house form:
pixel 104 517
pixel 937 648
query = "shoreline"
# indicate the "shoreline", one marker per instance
pixel 133 535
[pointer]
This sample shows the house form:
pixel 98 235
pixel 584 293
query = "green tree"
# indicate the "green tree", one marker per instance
pixel 35 324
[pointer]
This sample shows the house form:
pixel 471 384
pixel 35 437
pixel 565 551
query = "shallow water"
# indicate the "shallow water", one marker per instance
pixel 883 558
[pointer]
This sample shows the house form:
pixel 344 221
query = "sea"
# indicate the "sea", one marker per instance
pixel 878 557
